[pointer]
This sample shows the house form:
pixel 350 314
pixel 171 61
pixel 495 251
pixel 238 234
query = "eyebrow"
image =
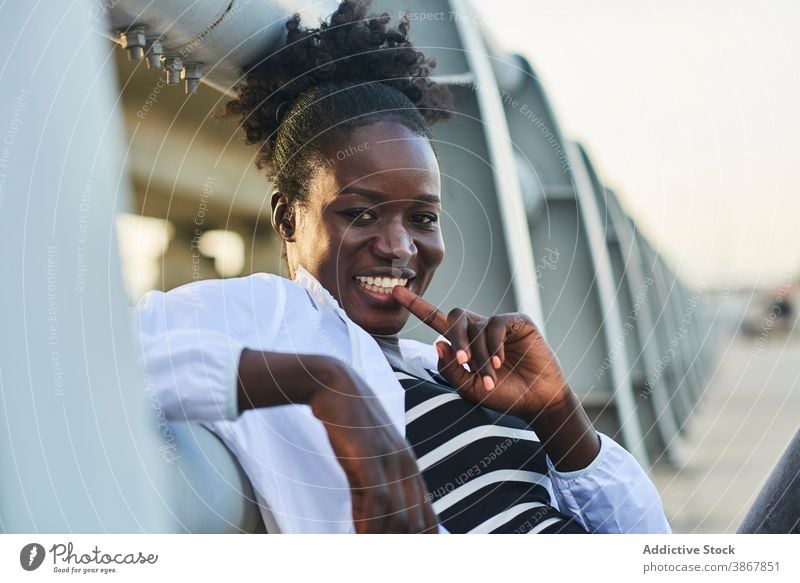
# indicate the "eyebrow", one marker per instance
pixel 376 195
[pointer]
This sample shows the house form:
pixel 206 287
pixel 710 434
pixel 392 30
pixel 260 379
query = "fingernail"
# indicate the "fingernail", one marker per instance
pixel 488 383
pixel 496 361
pixel 462 357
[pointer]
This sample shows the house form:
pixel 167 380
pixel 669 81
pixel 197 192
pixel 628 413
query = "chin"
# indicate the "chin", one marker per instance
pixel 377 313
pixel 380 327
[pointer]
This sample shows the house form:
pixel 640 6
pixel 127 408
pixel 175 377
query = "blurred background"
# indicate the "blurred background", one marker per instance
pixel 650 226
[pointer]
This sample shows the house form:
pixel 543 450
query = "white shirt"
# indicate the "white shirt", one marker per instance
pixel 191 339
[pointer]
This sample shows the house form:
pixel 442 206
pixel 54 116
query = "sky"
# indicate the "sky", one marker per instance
pixel 690 110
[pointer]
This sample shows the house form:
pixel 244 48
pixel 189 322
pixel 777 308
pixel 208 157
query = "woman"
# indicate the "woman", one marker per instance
pixel 342 117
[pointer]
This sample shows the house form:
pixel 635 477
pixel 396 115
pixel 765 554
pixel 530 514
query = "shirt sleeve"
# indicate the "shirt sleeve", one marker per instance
pixel 194 374
pixel 190 345
pixel 611 495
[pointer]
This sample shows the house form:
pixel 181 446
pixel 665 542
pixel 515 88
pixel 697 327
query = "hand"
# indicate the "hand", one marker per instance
pixel 512 369
pixel 388 493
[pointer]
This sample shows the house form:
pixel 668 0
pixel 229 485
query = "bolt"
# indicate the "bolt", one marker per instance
pixel 133 40
pixel 173 67
pixel 153 53
pixel 191 74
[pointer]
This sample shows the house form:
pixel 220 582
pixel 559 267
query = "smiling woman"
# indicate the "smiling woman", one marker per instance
pixel 342 118
pixel 495 440
pixel 369 223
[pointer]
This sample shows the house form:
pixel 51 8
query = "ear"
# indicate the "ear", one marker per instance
pixel 283 216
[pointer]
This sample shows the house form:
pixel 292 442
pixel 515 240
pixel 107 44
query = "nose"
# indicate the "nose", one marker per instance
pixel 394 242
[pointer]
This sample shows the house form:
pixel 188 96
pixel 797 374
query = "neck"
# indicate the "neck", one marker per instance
pixel 389 344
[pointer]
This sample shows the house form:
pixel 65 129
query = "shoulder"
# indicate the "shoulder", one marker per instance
pixel 214 301
pixel 199 292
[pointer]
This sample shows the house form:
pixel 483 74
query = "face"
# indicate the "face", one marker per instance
pixel 371 221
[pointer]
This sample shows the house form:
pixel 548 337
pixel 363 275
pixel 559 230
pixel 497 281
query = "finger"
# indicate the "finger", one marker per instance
pixel 450 369
pixel 399 510
pixel 495 340
pixel 357 502
pixel 480 353
pixel 424 518
pixel 415 494
pixel 458 334
pixel 360 501
pixel 414 512
pixel 431 521
pixel 422 309
pixel 375 504
pixel 364 511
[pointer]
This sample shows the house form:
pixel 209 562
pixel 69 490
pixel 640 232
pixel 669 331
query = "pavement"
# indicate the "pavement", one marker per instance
pixel 749 413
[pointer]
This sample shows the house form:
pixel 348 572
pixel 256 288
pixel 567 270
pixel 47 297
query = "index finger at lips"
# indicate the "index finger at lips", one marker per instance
pixel 422 309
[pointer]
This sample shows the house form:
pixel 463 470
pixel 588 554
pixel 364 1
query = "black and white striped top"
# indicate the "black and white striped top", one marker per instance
pixel 485 472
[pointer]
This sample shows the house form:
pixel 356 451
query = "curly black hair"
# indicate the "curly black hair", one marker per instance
pixel 352 71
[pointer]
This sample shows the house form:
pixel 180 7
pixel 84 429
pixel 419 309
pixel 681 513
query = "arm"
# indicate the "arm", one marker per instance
pixel 267 379
pixel 512 370
pixel 191 375
pixel 388 494
pixel 594 478
pixel 200 372
pixel 189 354
pixel 611 495
pixel 567 434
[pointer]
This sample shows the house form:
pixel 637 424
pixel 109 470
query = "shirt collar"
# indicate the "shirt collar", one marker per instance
pixel 315 288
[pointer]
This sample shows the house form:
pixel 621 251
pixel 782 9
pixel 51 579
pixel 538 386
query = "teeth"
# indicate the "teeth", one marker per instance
pixel 381 285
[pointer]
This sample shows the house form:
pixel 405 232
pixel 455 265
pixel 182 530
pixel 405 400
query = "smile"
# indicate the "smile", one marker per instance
pixel 380 285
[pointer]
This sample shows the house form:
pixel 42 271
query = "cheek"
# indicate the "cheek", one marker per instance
pixel 312 241
pixel 334 246
pixel 340 241
pixel 432 251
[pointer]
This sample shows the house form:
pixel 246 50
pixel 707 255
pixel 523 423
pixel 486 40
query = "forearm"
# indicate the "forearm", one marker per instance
pixel 612 495
pixel 268 379
pixel 567 434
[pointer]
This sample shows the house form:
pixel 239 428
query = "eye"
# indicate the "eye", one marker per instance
pixel 359 215
pixel 426 218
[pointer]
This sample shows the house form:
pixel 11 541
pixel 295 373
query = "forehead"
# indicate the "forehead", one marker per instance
pixel 385 156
